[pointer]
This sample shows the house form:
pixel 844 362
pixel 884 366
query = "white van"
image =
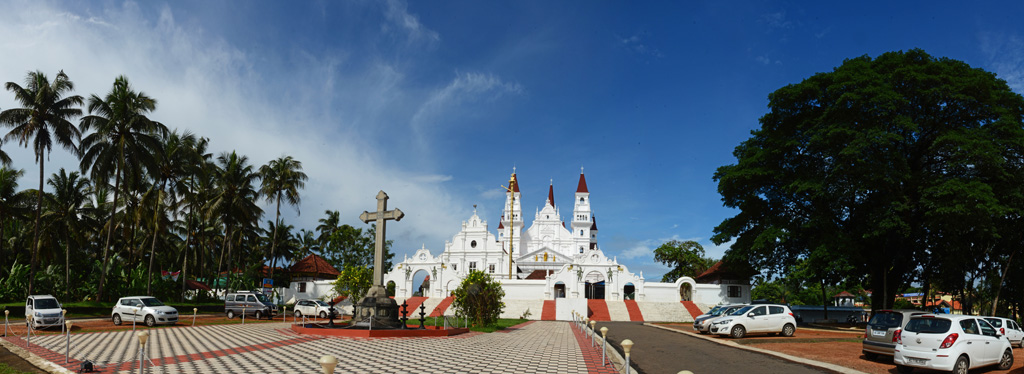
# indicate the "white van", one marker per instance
pixel 45 310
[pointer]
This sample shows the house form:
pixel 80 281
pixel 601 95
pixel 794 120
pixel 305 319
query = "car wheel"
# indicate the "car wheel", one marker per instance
pixel 788 330
pixel 1006 362
pixel 298 314
pixel 904 369
pixel 961 365
pixel 870 356
pixel 150 321
pixel 702 332
pixel 231 314
pixel 117 320
pixel 323 314
pixel 259 315
pixel 738 331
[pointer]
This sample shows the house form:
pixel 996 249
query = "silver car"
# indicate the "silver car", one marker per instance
pixel 145 309
pixel 702 324
pixel 882 330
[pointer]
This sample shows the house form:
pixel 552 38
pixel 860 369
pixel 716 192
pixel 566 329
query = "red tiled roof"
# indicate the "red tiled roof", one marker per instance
pixel 843 294
pixel 195 285
pixel 582 187
pixel 538 274
pixel 594 226
pixel 515 184
pixel 315 265
pixel 717 267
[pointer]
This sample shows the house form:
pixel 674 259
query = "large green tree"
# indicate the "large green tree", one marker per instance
pixel 44 118
pixel 895 164
pixel 685 258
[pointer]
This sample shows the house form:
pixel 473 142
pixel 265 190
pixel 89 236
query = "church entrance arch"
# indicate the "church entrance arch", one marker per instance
pixel 559 290
pixel 420 282
pixel 391 288
pixel 594 286
pixel 629 291
pixel 686 292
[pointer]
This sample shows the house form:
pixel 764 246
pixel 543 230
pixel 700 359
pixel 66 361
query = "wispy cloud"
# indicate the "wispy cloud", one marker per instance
pixel 1005 55
pixel 464 88
pixel 636 44
pixel 767 61
pixel 398 13
pixel 776 20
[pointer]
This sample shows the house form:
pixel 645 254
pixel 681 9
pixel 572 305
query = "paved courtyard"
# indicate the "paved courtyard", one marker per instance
pixel 537 347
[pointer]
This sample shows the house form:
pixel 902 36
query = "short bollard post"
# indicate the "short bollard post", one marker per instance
pixel 685 372
pixel 194 312
pixel 143 336
pixel 328 362
pixel 243 315
pixel 604 344
pixel 626 346
pixel 592 325
pixel 583 327
pixel 67 344
pixel 6 313
pixel 135 316
pixel 284 316
pixel 63 317
pixel 28 331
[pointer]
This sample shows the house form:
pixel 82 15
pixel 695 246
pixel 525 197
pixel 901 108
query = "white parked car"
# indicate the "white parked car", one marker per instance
pixel 702 324
pixel 313 308
pixel 1008 328
pixel 762 318
pixel 951 343
pixel 45 310
pixel 146 309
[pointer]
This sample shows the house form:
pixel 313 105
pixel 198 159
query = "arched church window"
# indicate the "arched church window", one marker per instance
pixel 581 249
pixel 581 232
pixel 581 199
pixel 472 244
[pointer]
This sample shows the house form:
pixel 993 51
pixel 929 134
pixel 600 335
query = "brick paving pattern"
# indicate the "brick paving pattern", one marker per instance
pixel 533 347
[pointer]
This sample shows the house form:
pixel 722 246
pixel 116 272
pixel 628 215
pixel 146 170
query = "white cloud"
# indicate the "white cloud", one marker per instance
pixel 398 13
pixel 464 88
pixel 219 91
pixel 776 20
pixel 1005 55
pixel 645 248
pixel 635 44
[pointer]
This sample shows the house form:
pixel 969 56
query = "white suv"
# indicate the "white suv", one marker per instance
pixel 763 318
pixel 143 309
pixel 951 343
pixel 45 310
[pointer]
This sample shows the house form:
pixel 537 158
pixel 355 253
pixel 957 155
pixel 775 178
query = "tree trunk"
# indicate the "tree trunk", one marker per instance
pixel 110 230
pixel 35 231
pixel 184 259
pixel 824 299
pixel 67 263
pixel 156 233
pixel 273 240
pixel 999 287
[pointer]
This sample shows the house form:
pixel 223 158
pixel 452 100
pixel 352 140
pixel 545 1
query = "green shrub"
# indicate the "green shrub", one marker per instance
pixel 479 298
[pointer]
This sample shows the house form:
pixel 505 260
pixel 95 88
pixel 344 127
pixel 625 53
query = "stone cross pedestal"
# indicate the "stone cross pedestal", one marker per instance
pixel 376 309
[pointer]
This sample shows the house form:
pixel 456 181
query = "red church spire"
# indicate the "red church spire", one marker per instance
pixel 551 193
pixel 582 187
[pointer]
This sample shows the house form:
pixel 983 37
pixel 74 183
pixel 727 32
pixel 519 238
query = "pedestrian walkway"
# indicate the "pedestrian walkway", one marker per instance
pixel 537 347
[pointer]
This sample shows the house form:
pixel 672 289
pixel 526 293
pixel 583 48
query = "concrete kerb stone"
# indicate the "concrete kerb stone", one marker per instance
pixel 39 362
pixel 791 358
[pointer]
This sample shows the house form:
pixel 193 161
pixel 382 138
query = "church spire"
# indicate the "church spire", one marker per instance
pixel 551 193
pixel 582 187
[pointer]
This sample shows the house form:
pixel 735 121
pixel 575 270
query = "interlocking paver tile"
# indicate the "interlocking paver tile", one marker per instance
pixel 273 348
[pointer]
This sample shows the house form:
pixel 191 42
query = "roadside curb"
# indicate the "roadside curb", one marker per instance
pixel 39 362
pixel 800 360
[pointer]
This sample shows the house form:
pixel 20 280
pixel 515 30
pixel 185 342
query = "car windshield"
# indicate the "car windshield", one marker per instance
pixel 151 301
pixel 321 303
pixel 886 319
pixel 716 311
pixel 995 322
pixel 742 311
pixel 928 325
pixel 262 297
pixel 47 304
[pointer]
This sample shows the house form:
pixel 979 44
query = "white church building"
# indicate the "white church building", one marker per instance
pixel 553 268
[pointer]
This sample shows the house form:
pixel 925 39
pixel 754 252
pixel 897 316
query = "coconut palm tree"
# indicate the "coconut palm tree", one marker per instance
pixel 172 165
pixel 234 201
pixel 66 215
pixel 281 178
pixel 125 141
pixel 192 199
pixel 45 118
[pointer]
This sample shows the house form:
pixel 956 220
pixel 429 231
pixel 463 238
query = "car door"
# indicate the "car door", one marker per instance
pixel 1015 333
pixel 973 342
pixel 757 319
pixel 993 342
pixel 776 318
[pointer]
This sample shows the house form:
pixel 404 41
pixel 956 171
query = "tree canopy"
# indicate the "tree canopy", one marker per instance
pixel 686 258
pixel 905 167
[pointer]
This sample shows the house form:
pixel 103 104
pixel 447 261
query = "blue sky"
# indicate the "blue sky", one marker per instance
pixel 435 102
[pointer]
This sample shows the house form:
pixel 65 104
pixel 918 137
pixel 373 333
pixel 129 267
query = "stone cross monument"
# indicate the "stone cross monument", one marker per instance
pixel 376 309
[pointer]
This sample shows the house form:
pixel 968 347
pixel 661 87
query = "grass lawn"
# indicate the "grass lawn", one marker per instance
pixel 4 369
pixel 502 324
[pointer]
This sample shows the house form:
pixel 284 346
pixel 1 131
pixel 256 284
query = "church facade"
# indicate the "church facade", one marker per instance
pixel 555 257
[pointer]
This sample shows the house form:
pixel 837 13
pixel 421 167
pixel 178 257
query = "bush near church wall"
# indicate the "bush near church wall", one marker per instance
pixel 479 298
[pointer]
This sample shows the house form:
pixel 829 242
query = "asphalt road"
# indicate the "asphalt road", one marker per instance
pixel 656 351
